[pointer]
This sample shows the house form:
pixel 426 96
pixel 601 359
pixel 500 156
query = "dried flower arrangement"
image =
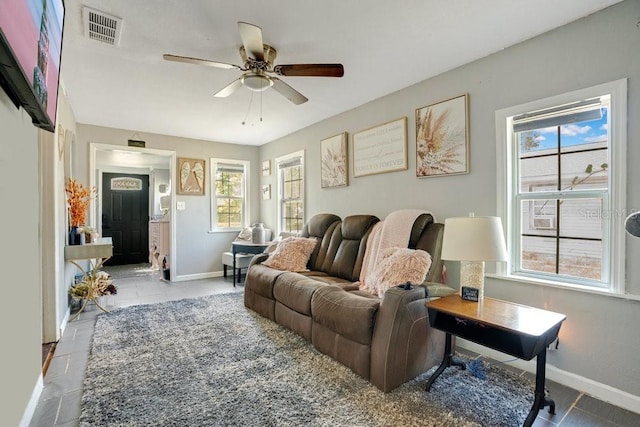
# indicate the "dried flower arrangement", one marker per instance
pixel 96 284
pixel 78 198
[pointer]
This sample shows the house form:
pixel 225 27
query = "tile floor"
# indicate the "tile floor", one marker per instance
pixel 59 404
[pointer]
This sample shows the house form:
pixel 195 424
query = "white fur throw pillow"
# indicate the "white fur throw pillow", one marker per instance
pixel 396 267
pixel 292 254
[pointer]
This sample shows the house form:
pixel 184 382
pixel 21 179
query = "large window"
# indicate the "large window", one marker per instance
pixel 229 204
pixel 562 186
pixel 291 191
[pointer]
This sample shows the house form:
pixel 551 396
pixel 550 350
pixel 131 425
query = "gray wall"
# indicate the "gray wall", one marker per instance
pixel 598 340
pixel 20 259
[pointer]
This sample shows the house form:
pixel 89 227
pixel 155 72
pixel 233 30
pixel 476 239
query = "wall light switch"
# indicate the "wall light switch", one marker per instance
pixel 180 206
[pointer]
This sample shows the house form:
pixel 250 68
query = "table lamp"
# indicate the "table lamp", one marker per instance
pixel 473 240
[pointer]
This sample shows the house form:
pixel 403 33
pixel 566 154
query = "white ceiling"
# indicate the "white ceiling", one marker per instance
pixel 384 46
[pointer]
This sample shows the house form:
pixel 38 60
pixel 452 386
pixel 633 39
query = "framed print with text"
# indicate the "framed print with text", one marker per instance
pixel 380 149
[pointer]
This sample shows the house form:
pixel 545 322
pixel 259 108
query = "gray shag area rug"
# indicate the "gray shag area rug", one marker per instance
pixel 210 362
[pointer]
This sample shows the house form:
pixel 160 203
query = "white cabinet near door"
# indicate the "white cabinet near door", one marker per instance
pixel 158 242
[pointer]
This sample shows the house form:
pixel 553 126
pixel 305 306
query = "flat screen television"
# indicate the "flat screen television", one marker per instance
pixel 30 53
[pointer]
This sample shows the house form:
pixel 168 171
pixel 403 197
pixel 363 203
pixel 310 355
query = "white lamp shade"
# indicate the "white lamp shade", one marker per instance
pixel 473 238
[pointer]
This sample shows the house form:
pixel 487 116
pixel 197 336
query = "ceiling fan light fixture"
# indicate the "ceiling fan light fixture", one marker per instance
pixel 257 82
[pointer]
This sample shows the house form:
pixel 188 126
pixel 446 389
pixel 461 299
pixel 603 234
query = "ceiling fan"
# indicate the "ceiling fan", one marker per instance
pixel 258 66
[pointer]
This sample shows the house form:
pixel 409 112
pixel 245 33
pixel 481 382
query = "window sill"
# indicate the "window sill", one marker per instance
pixel 564 286
pixel 225 230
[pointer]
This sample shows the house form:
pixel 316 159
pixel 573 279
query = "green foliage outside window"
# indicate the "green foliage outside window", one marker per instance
pixel 229 198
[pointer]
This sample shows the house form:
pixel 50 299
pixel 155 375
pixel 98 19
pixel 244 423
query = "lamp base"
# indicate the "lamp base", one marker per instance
pixel 472 275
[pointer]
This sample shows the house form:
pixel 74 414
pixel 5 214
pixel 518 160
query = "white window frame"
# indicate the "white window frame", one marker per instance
pixel 214 162
pixel 614 213
pixel 283 160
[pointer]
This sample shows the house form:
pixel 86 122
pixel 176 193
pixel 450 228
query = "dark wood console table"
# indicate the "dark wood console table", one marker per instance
pixel 514 329
pixel 239 247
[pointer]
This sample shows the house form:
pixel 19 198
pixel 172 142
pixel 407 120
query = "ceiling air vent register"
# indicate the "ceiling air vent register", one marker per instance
pixel 101 26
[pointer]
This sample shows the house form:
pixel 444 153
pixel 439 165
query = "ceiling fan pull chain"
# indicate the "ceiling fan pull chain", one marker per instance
pixel 248 109
pixel 261 106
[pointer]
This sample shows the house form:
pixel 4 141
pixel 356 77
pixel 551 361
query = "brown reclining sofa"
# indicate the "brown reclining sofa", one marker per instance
pixel 387 340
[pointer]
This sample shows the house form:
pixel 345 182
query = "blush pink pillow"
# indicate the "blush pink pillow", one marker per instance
pixel 291 254
pixel 397 266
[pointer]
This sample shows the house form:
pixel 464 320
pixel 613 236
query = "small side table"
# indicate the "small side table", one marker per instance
pixel 514 329
pixel 239 247
pixel 100 251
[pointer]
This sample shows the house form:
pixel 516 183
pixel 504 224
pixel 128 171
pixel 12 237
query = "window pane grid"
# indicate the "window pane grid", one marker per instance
pixel 560 191
pixel 291 199
pixel 229 197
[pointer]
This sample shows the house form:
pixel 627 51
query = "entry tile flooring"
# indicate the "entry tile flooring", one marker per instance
pixel 59 403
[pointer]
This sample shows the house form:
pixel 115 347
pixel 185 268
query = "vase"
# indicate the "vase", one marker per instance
pixel 257 234
pixel 74 236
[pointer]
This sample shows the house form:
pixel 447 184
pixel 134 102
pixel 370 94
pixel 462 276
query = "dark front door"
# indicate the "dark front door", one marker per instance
pixel 125 216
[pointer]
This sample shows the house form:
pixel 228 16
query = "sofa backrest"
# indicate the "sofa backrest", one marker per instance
pixel 345 253
pixel 320 226
pixel 430 240
pixel 342 243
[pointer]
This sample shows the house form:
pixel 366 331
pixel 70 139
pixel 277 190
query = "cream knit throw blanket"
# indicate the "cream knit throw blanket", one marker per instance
pixel 393 231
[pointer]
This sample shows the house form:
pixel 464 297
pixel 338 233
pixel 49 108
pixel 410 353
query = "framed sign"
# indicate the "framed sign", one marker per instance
pixel 442 138
pixel 190 177
pixel 470 293
pixel 266 192
pixel 333 155
pixel 380 149
pixel 266 167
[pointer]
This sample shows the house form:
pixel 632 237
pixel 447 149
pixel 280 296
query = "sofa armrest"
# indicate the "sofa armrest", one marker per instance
pixel 402 346
pixel 437 290
pixel 258 259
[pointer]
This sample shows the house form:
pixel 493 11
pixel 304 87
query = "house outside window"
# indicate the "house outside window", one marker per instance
pixel 229 201
pixel 291 191
pixel 562 187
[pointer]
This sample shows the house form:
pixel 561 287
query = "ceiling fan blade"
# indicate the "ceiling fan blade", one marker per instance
pixel 288 92
pixel 197 61
pixel 311 70
pixel 229 89
pixel 252 40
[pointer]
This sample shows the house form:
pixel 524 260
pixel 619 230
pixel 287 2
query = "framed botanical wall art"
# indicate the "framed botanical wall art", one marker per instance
pixel 380 149
pixel 190 177
pixel 333 154
pixel 442 138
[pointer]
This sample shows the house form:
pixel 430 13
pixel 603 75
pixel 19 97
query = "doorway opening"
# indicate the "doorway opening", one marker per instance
pixel 131 182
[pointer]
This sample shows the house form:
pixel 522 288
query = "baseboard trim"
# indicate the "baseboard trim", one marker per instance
pixel 598 390
pixel 30 410
pixel 187 277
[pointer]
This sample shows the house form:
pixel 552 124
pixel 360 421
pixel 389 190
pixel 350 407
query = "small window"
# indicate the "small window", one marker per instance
pixel 229 204
pixel 562 163
pixel 291 192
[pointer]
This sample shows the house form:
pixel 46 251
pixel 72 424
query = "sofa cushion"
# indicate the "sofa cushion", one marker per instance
pixel 260 280
pixel 397 266
pixel 294 291
pixel 348 315
pixel 292 254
